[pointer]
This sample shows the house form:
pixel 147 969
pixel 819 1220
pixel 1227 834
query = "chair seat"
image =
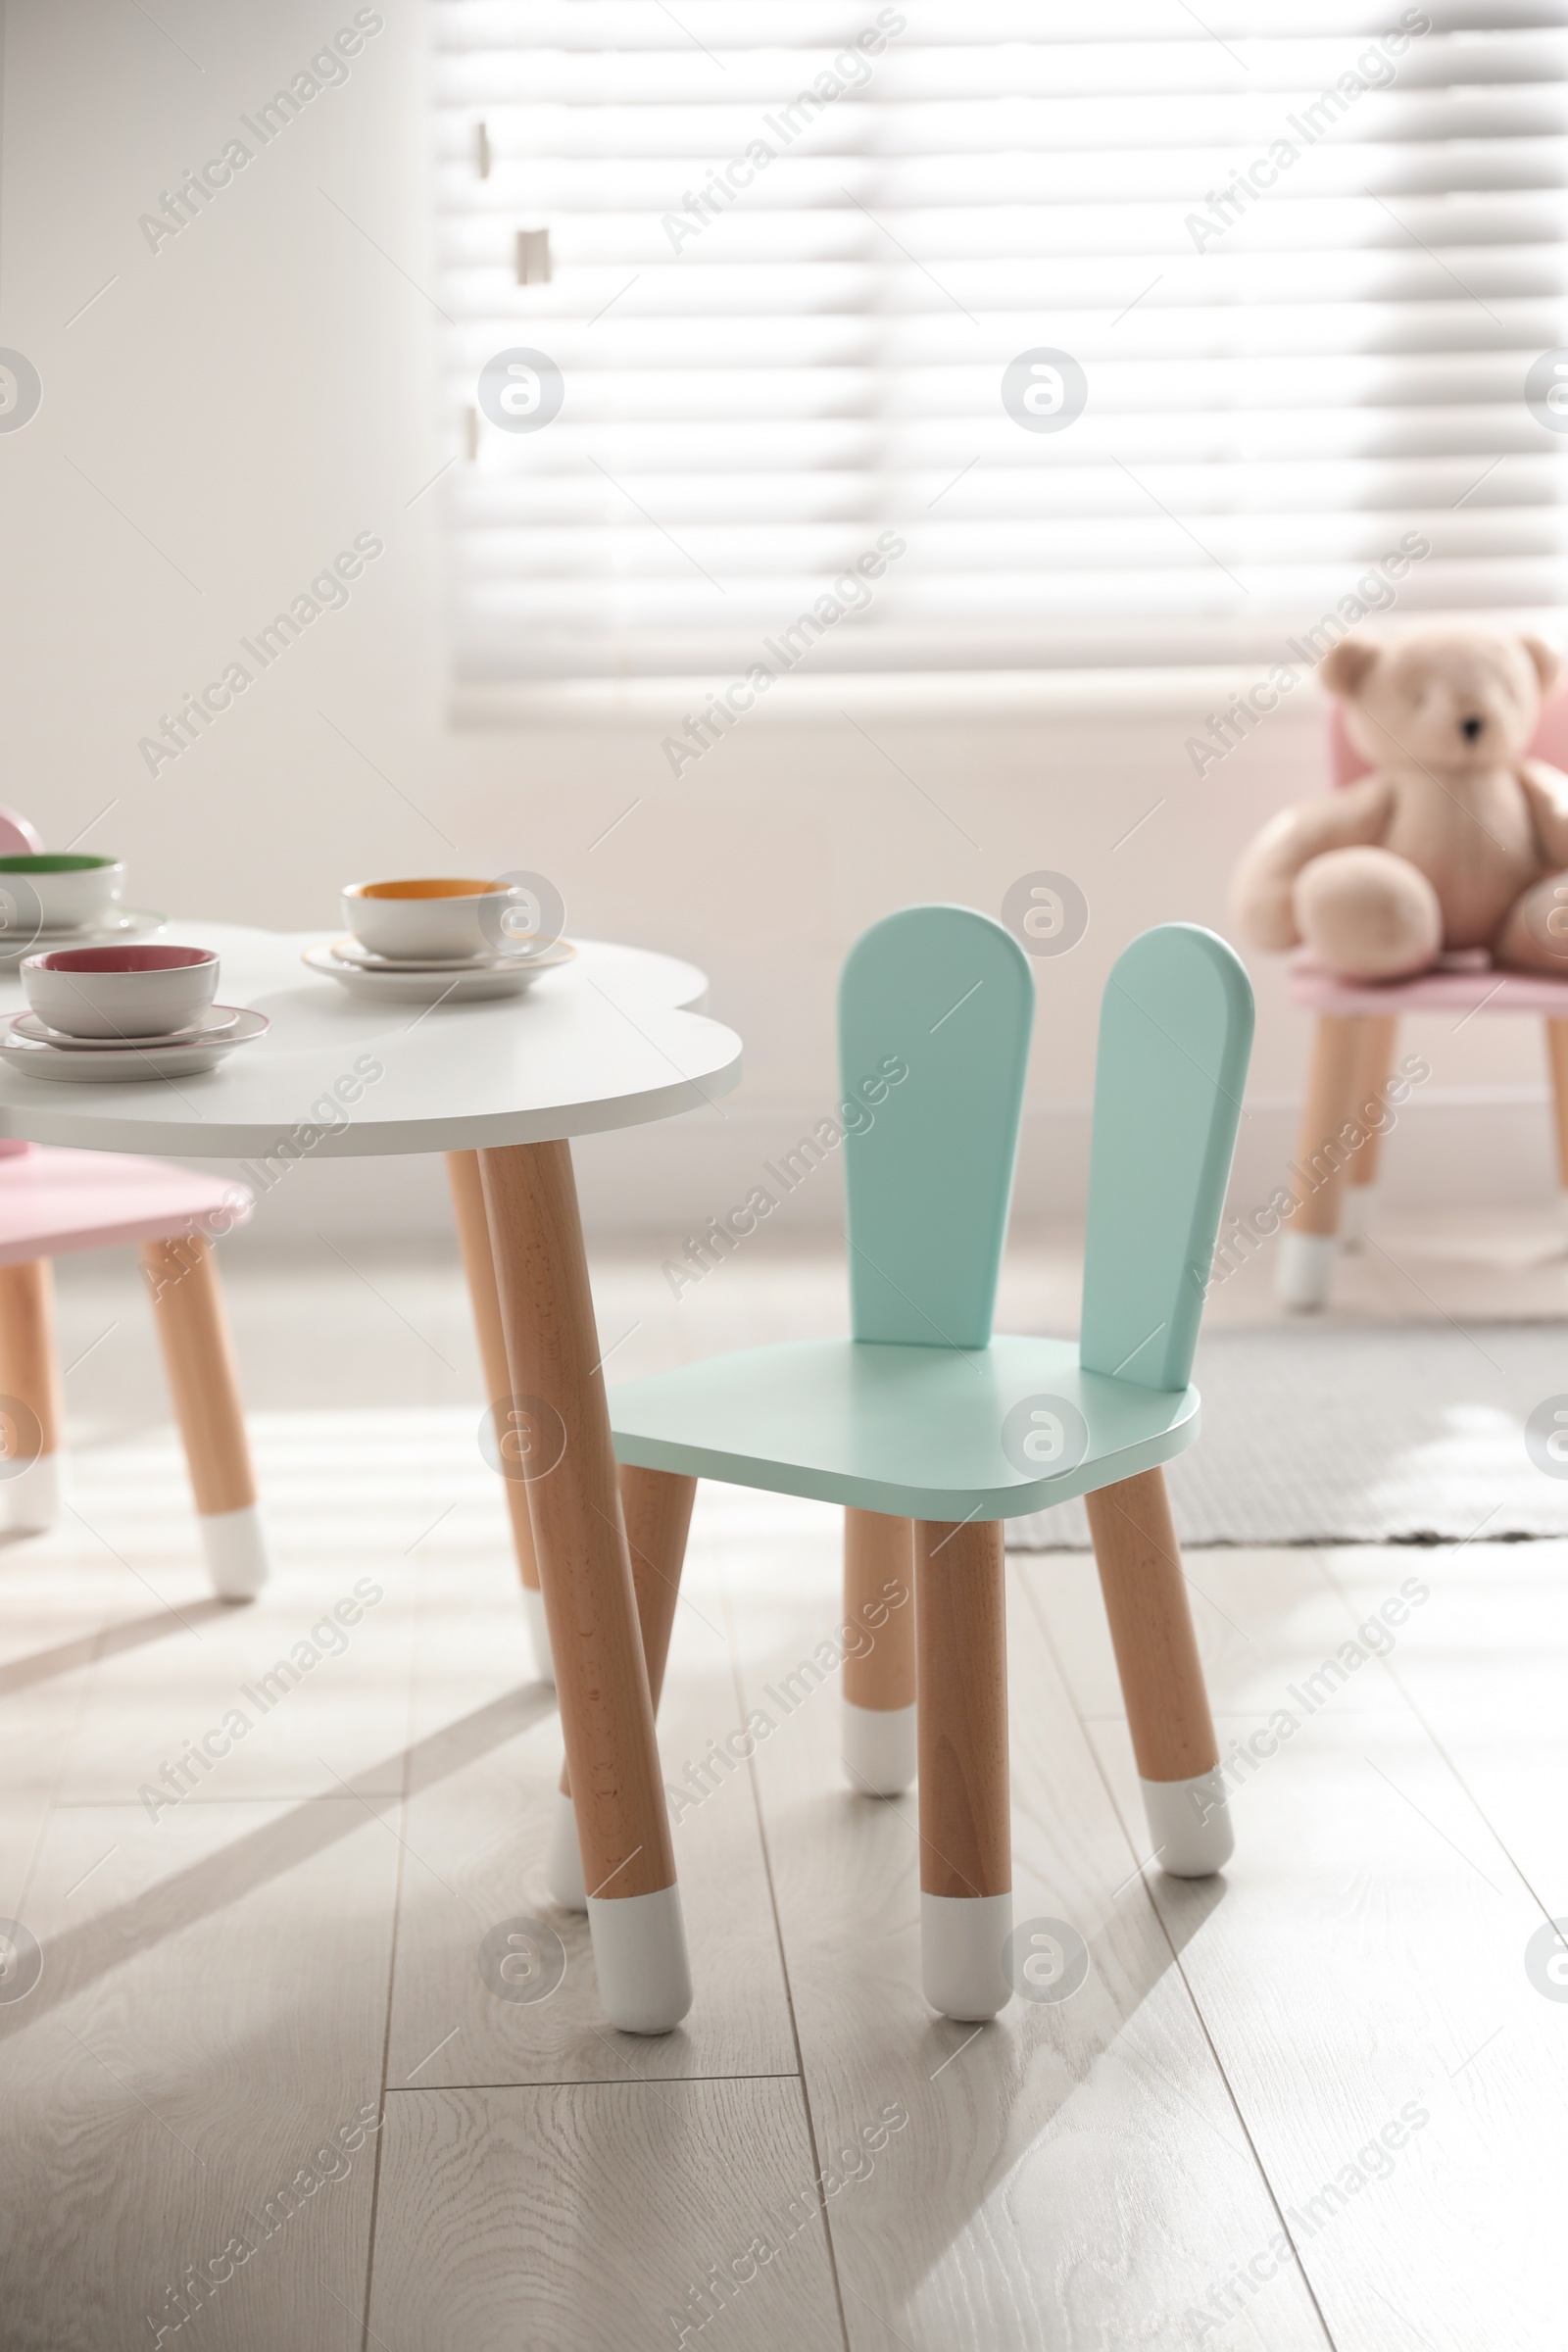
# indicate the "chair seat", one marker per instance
pixel 56 1202
pixel 1465 983
pixel 914 1432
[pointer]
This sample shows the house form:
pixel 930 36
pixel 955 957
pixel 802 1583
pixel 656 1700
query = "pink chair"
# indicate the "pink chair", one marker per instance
pixel 53 1203
pixel 1353 1052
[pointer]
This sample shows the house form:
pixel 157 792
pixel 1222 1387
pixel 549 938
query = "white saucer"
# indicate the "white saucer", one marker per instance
pixel 128 922
pixel 420 984
pixel 215 1022
pixel 361 958
pixel 124 1063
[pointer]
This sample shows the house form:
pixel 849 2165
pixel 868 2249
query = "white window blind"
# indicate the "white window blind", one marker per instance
pixel 1304 255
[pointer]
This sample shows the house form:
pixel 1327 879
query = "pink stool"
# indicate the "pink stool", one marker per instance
pixel 53 1203
pixel 1353 1052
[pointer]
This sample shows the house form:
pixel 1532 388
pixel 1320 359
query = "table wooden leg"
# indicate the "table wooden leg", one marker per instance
pixel 1140 1563
pixel 193 1331
pixel 656 1507
pixel 965 1839
pixel 31 1405
pixel 606 1714
pixel 878 1714
pixel 473 1239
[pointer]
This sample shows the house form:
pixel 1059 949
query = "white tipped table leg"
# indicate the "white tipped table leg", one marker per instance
pixel 966 1845
pixel 237 1552
pixel 189 1309
pixel 645 1981
pixel 30 1402
pixel 1161 1676
pixel 880 1749
pixel 878 1727
pixel 1304 1273
pixel 579 1533
pixel 656 1506
pixel 564 1862
pixel 534 1611
pixel 964 1942
pixel 478 1263
pixel 1189 1825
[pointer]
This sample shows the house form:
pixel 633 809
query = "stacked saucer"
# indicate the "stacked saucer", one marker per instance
pixel 126 1014
pixel 440 939
pixel 430 979
pixel 64 899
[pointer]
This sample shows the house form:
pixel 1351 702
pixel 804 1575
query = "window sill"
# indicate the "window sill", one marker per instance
pixel 1000 697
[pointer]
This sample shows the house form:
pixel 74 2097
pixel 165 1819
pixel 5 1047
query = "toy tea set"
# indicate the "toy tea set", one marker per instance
pixel 107 1001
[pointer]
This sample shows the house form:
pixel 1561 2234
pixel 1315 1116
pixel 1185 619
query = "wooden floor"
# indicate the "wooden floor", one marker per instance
pixel 1318 2103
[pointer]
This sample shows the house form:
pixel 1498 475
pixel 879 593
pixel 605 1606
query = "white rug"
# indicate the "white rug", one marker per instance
pixel 1320 1432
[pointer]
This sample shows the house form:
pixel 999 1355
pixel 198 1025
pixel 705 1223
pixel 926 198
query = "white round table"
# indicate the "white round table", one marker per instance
pixel 607 1041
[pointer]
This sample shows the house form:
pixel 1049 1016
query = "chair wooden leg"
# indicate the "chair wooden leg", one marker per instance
pixel 1309 1243
pixel 1377 1034
pixel 193 1331
pixel 1161 1679
pixel 473 1239
pixel 656 1506
pixel 30 1402
pixel 965 1839
pixel 1558 1055
pixel 606 1714
pixel 878 1712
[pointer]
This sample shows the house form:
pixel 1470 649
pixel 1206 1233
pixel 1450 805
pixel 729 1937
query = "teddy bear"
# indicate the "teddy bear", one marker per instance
pixel 1456 840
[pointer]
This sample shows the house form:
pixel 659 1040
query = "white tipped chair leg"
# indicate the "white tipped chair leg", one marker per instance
pixel 1370 1112
pixel 879 1748
pixel 965 1847
pixel 1358 1205
pixel 878 1737
pixel 645 1981
pixel 1309 1243
pixel 964 1942
pixel 533 1610
pixel 30 1502
pixel 235 1546
pixel 31 1405
pixel 1172 1730
pixel 1306 1270
pixel 1189 1825
pixel 563 1863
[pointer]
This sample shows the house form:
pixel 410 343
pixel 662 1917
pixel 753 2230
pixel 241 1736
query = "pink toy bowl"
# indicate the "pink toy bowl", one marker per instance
pixel 121 991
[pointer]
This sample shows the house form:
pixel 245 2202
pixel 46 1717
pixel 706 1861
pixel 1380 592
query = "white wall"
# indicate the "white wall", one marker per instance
pixel 238 405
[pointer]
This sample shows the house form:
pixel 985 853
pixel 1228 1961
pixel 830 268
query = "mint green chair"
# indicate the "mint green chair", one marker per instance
pixel 925 1418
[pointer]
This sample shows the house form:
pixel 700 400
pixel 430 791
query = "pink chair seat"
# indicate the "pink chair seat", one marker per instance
pixel 52 1202
pixel 1462 983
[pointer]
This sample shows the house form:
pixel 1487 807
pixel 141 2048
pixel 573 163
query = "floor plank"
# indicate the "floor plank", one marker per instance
pixel 207 2028
pixel 1484 1663
pixel 604 2217
pixel 1072 2175
pixel 1359 1969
